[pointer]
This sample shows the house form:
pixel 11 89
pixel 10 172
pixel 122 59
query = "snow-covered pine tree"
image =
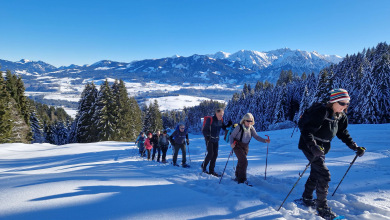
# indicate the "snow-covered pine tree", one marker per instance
pixel 37 131
pixel 84 128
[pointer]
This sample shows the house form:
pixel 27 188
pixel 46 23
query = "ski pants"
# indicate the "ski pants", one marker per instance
pixel 318 180
pixel 212 154
pixel 178 147
pixel 241 150
pixel 158 149
pixel 164 150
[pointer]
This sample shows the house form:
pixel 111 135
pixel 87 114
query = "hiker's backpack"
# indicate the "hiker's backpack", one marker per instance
pixel 211 121
pixel 305 117
pixel 228 131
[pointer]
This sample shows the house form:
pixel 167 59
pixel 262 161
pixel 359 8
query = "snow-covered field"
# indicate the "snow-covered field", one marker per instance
pixel 178 102
pixel 108 180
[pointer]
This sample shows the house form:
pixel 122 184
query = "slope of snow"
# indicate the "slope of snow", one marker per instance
pixel 108 180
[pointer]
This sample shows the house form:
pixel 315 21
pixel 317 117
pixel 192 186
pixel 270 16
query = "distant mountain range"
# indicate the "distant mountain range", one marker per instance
pixel 224 69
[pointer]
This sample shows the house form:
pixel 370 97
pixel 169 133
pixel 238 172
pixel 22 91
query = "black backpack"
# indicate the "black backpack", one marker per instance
pixel 305 117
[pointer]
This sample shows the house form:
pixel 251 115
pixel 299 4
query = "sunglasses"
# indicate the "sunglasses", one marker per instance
pixel 343 103
pixel 248 121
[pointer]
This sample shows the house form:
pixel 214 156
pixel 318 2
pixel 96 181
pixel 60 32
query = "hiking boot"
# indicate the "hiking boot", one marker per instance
pixel 308 202
pixel 203 168
pixel 326 212
pixel 175 164
pixel 185 165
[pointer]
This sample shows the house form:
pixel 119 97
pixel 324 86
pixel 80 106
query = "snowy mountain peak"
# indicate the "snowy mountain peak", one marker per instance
pixel 24 61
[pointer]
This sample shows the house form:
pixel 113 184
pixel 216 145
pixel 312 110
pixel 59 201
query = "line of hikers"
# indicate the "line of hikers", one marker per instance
pixel 319 124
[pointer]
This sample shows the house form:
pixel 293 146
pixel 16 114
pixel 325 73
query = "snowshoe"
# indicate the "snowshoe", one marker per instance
pixel 175 164
pixel 326 213
pixel 310 203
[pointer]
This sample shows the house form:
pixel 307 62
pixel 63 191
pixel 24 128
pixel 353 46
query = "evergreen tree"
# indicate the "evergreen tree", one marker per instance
pixel 37 132
pixel 5 122
pixel 85 128
pixel 105 109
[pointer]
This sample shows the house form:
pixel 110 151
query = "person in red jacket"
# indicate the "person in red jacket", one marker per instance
pixel 148 144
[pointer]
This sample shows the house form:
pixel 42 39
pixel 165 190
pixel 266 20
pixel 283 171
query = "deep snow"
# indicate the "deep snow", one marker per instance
pixel 108 180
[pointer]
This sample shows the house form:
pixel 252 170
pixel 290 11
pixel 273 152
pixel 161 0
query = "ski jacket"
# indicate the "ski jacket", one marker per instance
pixel 140 141
pixel 179 137
pixel 163 140
pixel 148 144
pixel 155 140
pixel 211 131
pixel 247 134
pixel 322 127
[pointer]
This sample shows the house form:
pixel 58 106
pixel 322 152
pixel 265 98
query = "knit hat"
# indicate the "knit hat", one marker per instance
pixel 337 95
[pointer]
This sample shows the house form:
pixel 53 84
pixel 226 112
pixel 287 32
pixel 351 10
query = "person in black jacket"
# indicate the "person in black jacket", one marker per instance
pixel 322 124
pixel 211 135
pixel 156 146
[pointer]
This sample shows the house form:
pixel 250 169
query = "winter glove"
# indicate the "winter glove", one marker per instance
pixel 317 150
pixel 359 150
pixel 188 142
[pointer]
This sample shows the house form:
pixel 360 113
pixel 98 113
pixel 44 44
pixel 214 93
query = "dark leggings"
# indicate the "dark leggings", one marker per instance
pixel 158 149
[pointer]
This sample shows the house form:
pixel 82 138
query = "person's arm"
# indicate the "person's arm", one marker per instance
pixel 234 134
pixel 343 133
pixel 256 136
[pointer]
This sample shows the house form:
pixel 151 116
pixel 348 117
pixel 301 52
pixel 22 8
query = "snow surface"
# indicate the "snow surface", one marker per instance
pixel 178 102
pixel 108 180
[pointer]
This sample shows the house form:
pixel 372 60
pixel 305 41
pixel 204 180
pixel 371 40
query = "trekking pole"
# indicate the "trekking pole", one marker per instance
pixel 353 161
pixel 189 155
pixel 294 129
pixel 266 161
pixel 231 152
pixel 300 176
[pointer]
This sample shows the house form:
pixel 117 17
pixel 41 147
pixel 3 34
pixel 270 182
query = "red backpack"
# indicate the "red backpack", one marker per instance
pixel 205 119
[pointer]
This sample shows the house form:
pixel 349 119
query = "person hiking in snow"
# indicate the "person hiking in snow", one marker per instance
pixel 156 146
pixel 211 131
pixel 319 125
pixel 178 140
pixel 140 143
pixel 239 141
pixel 148 144
pixel 164 143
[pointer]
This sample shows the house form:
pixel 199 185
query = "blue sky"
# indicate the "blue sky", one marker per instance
pixel 80 32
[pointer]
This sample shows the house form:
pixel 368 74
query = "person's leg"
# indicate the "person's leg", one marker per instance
pixel 183 153
pixel 176 148
pixel 209 156
pixel 214 157
pixel 242 164
pixel 164 153
pixel 159 154
pixel 154 152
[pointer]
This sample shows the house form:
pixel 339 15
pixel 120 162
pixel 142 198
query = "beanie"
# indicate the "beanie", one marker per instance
pixel 337 95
